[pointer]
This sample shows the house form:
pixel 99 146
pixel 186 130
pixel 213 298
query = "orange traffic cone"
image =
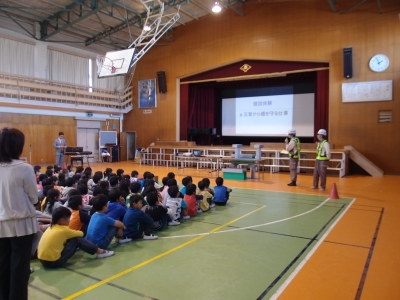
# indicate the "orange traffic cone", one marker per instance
pixel 64 166
pixel 334 193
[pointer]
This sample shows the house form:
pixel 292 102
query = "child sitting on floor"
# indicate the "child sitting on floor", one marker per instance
pixel 80 218
pixel 206 202
pixel 221 192
pixel 59 243
pixel 134 176
pixel 156 211
pixel 192 199
pixel 175 206
pixel 207 183
pixel 185 182
pixel 135 190
pixel 116 205
pixel 52 201
pixel 102 228
pixel 138 224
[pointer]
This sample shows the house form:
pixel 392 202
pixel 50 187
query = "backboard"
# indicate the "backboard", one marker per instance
pixel 115 63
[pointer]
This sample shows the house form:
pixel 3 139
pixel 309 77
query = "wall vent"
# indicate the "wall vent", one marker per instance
pixel 385 116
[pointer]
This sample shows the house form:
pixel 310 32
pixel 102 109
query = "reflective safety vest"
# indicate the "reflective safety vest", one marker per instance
pixel 319 150
pixel 297 154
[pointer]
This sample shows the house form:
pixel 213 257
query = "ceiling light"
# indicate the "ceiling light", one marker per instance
pixel 216 8
pixel 146 28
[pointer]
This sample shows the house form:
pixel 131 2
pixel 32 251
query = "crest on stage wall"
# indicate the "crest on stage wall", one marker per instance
pixel 245 68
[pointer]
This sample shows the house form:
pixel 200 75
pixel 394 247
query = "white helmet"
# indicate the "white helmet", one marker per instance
pixel 322 132
pixel 292 132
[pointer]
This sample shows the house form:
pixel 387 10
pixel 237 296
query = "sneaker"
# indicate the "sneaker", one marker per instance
pixel 105 254
pixel 322 189
pixel 293 183
pixel 313 187
pixel 199 211
pixel 123 240
pixel 150 237
pixel 186 217
pixel 212 205
pixel 173 223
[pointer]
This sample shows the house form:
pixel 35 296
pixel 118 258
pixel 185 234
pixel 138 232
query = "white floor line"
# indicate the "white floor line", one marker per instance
pixel 249 227
pixel 308 256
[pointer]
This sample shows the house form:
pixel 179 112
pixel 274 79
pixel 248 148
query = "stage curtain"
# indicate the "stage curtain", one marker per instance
pixel 321 114
pixel 201 110
pixel 183 112
pixel 200 102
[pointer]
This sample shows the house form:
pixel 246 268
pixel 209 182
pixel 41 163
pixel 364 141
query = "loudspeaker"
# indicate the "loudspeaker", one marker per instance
pixel 162 82
pixel 115 153
pixel 348 62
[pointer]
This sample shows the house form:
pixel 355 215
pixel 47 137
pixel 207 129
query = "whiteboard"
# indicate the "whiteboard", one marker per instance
pixel 107 137
pixel 367 91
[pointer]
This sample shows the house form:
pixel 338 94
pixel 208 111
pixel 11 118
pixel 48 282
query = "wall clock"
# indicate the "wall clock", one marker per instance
pixel 379 63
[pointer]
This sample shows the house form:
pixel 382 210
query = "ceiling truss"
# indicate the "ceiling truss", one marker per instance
pixel 113 24
pixel 332 4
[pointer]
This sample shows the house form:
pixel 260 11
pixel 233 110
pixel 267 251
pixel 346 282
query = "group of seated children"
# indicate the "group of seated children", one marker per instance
pixel 91 223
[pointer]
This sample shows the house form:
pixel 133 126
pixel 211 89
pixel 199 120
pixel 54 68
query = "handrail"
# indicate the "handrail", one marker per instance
pixel 273 159
pixel 44 93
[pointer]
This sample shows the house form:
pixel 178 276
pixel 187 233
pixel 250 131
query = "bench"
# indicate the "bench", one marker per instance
pixel 234 173
pixel 79 158
pixel 76 158
pixel 336 165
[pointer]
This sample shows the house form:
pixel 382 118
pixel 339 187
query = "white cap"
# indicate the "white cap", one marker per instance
pixel 322 132
pixel 292 131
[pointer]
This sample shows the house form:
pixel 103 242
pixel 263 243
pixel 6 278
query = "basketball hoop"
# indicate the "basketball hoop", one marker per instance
pixel 104 63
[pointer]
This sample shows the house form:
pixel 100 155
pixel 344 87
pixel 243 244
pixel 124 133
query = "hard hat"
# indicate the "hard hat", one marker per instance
pixel 292 132
pixel 322 132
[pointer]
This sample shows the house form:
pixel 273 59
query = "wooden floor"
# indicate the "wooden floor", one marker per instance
pixel 359 258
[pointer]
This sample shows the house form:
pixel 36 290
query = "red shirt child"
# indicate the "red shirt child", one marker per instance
pixel 191 199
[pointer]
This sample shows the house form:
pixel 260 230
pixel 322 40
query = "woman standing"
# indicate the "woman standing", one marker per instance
pixel 18 195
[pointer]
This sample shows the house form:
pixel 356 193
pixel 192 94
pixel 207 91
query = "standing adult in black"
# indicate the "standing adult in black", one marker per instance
pixel 18 223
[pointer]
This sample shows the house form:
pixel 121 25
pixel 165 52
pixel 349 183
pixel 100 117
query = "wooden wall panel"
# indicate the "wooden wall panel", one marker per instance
pixel 41 131
pixel 295 31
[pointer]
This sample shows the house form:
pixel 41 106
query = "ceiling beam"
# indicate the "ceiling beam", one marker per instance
pixel 354 6
pixel 332 4
pixel 230 3
pixel 136 20
pixel 17 22
pixel 110 31
pixel 379 6
pixel 59 17
pixel 200 5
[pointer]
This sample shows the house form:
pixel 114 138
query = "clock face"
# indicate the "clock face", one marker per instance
pixel 379 63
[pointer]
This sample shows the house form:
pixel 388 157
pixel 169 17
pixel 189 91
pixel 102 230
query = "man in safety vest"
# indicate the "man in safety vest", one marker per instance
pixel 293 147
pixel 322 159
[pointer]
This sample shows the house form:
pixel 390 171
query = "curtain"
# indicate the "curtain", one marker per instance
pixel 112 83
pixel 321 114
pixel 201 110
pixel 68 68
pixel 16 57
pixel 200 105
